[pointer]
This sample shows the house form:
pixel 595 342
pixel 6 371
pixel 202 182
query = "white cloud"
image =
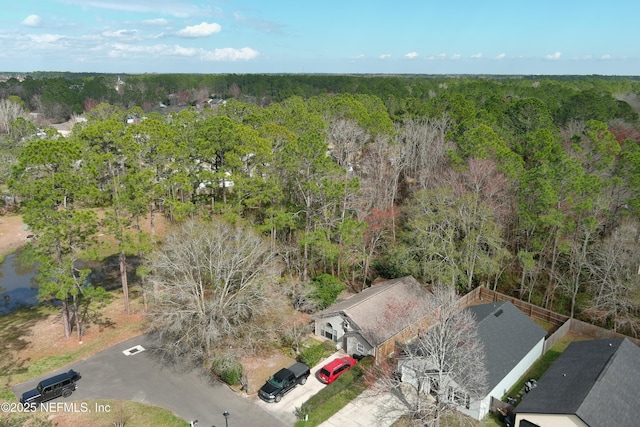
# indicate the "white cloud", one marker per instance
pixel 157 21
pixel 607 56
pixel 476 55
pixel 201 30
pixel 501 56
pixel 32 21
pixel 385 56
pixel 442 56
pixel 121 50
pixel 45 38
pixel 554 56
pixel 230 54
pixel 411 55
pixel 120 34
pixel 360 56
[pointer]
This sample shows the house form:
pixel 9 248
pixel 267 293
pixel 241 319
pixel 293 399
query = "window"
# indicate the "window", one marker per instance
pixel 433 385
pixel 461 398
pixel 360 348
pixel 329 332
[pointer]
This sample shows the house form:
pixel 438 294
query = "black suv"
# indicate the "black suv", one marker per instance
pixel 59 385
pixel 283 381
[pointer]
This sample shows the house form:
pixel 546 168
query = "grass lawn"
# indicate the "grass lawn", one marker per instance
pixel 541 366
pixel 99 413
pixel 457 420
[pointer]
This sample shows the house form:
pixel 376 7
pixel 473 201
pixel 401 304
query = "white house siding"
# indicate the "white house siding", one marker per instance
pixel 478 409
pixel 408 369
pixel 352 341
pixel 336 323
pixel 509 380
pixel 551 420
pixel 518 371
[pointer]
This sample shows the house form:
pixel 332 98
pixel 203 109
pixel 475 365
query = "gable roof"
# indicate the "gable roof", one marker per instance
pixel 366 310
pixel 597 380
pixel 507 335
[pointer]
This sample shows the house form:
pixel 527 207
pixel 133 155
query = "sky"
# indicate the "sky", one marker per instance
pixel 509 37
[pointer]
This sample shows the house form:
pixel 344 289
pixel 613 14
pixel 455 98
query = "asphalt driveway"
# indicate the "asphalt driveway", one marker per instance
pixel 140 377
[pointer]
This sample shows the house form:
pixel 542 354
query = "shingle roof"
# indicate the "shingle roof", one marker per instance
pixel 597 380
pixel 366 310
pixel 507 334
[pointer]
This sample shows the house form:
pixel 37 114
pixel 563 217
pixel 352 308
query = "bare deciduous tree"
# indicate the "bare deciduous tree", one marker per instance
pixel 425 149
pixel 574 263
pixel 345 139
pixel 379 170
pixel 615 281
pixel 441 371
pixel 208 281
pixel 9 111
pixel 482 179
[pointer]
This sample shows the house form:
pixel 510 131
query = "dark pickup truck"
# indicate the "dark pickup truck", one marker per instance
pixel 283 381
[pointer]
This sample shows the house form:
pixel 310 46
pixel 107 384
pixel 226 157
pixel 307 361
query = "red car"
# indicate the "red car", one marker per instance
pixel 332 370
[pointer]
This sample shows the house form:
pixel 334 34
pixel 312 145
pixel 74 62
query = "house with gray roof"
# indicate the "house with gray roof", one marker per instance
pixel 512 343
pixel 370 323
pixel 594 383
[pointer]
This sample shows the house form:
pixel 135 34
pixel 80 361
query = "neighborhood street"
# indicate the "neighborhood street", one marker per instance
pixel 139 377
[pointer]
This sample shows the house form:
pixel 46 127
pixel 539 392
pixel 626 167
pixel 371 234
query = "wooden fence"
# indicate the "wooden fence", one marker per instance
pixel 561 325
pixel 389 346
pixel 484 295
pixel 551 340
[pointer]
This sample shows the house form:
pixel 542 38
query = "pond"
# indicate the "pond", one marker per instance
pixel 17 285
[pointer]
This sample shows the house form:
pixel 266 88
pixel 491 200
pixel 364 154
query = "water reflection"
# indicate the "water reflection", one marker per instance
pixel 17 285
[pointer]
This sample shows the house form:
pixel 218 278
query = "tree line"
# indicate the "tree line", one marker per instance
pixel 529 186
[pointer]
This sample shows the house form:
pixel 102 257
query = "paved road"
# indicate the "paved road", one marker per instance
pixel 140 377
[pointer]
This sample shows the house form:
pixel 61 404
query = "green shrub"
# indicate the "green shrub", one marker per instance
pixel 326 289
pixel 312 355
pixel 227 368
pixel 329 346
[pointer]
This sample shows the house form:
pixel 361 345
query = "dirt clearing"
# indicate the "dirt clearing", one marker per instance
pixel 13 234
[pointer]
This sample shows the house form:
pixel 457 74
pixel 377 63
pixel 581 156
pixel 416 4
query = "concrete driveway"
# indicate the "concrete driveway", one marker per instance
pixel 285 409
pixel 367 410
pixel 139 377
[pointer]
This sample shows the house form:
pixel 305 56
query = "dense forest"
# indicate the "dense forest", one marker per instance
pixel 527 185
